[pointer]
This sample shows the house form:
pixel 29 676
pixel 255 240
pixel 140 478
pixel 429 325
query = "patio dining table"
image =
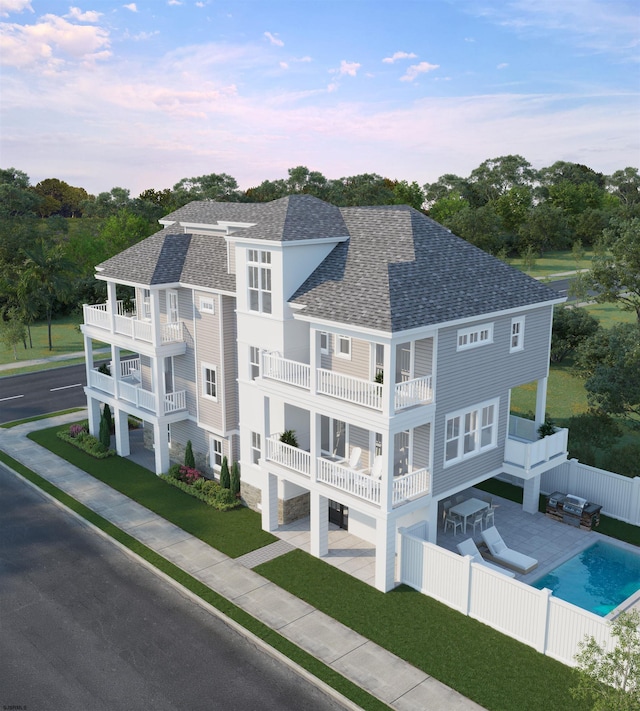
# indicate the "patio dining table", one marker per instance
pixel 467 508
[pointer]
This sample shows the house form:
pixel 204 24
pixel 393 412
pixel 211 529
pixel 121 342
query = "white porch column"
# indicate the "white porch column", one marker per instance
pixel 157 370
pixel 112 302
pixel 115 370
pixel 389 379
pixel 161 447
pixel 541 401
pixel 121 421
pixel 314 361
pixel 315 445
pixel 319 527
pixel 270 503
pixel 432 521
pixel 385 554
pixel 156 338
pixel 386 483
pixel 531 494
pixel 93 406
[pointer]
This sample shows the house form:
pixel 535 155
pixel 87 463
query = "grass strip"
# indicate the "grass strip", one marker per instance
pixel 494 670
pixel 314 666
pixel 234 532
pixel 15 423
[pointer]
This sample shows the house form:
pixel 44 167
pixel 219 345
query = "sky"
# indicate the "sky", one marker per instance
pixel 142 94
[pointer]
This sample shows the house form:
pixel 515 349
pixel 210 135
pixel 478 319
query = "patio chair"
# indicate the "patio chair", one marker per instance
pixel 500 553
pixel 489 517
pixel 452 520
pixel 376 470
pixel 469 547
pixel 354 458
pixel 477 520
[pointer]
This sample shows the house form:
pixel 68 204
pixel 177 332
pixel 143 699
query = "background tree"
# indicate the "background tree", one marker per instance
pixel 571 327
pixel 12 332
pixel 60 198
pixel 610 680
pixel 215 186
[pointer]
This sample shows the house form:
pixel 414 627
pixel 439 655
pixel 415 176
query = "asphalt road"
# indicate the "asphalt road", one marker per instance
pixel 84 628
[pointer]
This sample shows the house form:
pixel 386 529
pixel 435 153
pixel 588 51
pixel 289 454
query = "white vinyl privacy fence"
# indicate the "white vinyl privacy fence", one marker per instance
pixel 535 617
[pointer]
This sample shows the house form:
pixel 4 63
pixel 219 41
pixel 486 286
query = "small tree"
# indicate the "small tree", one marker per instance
pixel 225 478
pixel 611 680
pixel 189 459
pixel 105 431
pixel 12 332
pixel 108 418
pixel 571 326
pixel 234 484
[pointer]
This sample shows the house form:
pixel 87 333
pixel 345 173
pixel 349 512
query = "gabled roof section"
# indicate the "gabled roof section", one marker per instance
pixel 402 270
pixel 169 257
pixel 289 219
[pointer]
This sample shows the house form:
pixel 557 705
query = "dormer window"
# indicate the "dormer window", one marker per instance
pixel 259 280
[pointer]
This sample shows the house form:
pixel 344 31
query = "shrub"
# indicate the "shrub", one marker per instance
pixel 107 416
pixel 289 437
pixel 87 443
pixel 77 430
pixel 234 483
pixel 189 459
pixel 547 428
pixel 188 474
pixel 208 492
pixel 105 431
pixel 174 471
pixel 225 479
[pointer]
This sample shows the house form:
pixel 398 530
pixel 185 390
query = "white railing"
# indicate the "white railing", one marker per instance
pixel 535 617
pixel 413 392
pixel 101 381
pixel 175 401
pixel 97 315
pixel 287 371
pixel 129 367
pixel 172 332
pixel 523 448
pixel 349 480
pixel 410 485
pixel 346 387
pixel 288 456
pixel 126 323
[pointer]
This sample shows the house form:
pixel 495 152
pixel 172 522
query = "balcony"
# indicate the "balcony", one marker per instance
pixel 526 454
pixel 132 392
pixel 338 475
pixel 359 391
pixel 125 322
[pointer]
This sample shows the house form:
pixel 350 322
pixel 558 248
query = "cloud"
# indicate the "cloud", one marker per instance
pixel 51 40
pixel 399 55
pixel 284 65
pixel 502 65
pixel 415 70
pixel 174 2
pixel 14 6
pixel 131 6
pixel 75 13
pixel 273 39
pixel 349 68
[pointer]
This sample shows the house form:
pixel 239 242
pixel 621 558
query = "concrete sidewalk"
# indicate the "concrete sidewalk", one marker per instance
pixel 367 665
pixel 50 359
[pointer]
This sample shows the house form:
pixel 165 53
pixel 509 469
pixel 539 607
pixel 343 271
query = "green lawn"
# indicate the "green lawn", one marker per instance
pixel 554 263
pixel 65 338
pixel 234 533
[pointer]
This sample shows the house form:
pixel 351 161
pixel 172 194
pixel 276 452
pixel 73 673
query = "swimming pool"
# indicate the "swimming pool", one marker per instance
pixel 598 579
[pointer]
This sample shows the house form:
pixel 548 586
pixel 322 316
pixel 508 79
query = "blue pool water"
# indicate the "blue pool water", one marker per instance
pixel 598 579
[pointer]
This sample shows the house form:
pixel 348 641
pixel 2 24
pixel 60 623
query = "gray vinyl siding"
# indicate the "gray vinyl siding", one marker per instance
pixel 473 376
pixel 209 351
pixel 146 374
pixel 185 430
pixel 421 437
pixel 359 437
pixel 230 353
pixel 231 255
pixel 358 366
pixel 423 358
pixel 184 372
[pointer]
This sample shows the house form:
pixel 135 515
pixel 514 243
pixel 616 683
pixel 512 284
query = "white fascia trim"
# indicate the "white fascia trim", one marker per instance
pixel 344 329
pixel 167 223
pixel 208 289
pixel 285 243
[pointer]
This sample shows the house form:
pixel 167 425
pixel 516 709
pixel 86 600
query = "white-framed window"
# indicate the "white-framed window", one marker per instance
pixel 475 336
pixel 343 349
pixel 324 342
pixel 259 280
pixel 216 452
pixel 254 362
pixel 172 306
pixel 333 437
pixel 256 447
pixel 209 381
pixel 146 304
pixel 470 432
pixel 517 334
pixel 207 305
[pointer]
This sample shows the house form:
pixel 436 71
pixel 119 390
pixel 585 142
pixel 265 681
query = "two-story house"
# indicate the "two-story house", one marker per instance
pixel 382 346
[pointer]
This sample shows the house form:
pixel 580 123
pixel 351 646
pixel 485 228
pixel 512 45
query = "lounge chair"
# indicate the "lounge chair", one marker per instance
pixel 469 547
pixel 500 553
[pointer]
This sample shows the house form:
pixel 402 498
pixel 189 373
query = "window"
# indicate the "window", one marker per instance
pixel 254 362
pixel 475 336
pixel 344 347
pixel 517 334
pixel 146 304
pixel 256 448
pixel 172 306
pixel 207 305
pixel 259 280
pixel 469 432
pixel 216 453
pixel 209 382
pixel 333 437
pixel 324 342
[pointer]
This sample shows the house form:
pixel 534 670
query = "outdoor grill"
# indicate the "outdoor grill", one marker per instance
pixel 573 510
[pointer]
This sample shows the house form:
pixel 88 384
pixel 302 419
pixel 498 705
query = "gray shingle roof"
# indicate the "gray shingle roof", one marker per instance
pixel 398 270
pixel 402 270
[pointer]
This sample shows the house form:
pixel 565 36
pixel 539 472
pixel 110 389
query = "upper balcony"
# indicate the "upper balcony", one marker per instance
pixel 365 484
pixel 125 321
pixel 526 454
pixel 128 388
pixel 359 391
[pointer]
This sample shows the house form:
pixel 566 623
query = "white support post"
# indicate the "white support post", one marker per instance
pixel 161 447
pixel 121 421
pixel 115 370
pixel 385 554
pixel 270 503
pixel 88 358
pixel 158 384
pixel 314 361
pixel 315 444
pixel 112 305
pixel 432 521
pixel 541 401
pixel 319 525
pixel 93 406
pixel 386 484
pixel 389 379
pixel 531 495
pixel 155 318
